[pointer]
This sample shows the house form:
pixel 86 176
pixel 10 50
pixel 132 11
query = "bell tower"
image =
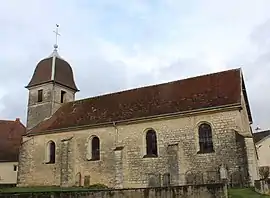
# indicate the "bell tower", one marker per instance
pixel 51 85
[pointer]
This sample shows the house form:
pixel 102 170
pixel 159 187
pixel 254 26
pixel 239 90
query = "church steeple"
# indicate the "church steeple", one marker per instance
pixel 55 54
pixel 53 69
pixel 51 85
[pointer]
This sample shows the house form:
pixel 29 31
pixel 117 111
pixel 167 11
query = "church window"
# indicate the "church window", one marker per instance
pixel 95 148
pixel 205 138
pixel 40 95
pixel 51 152
pixel 151 144
pixel 63 94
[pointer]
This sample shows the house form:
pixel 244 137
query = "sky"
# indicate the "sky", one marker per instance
pixel 115 45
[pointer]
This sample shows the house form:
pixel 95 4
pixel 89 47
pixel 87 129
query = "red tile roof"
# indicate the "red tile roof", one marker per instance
pixel 207 91
pixel 11 133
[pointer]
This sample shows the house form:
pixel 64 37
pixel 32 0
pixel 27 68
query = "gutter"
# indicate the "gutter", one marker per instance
pixel 51 81
pixel 116 133
pixel 142 119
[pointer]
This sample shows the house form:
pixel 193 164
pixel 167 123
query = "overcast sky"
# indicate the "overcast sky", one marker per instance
pixel 118 44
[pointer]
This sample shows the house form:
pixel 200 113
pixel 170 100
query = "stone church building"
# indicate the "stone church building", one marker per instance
pixel 167 134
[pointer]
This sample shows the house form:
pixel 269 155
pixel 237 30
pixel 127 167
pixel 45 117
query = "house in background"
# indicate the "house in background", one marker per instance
pixel 262 142
pixel 11 133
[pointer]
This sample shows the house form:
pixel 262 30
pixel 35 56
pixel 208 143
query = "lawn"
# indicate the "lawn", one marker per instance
pixel 233 193
pixel 245 193
pixel 37 189
pixel 51 189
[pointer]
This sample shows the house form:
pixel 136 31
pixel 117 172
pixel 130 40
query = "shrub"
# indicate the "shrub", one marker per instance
pixel 98 186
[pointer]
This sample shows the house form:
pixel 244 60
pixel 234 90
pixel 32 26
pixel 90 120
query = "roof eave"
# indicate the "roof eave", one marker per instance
pixel 209 109
pixel 263 139
pixel 243 88
pixel 9 160
pixel 52 81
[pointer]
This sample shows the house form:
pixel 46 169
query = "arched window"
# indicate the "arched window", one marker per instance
pixel 205 138
pixel 95 148
pixel 50 152
pixel 151 144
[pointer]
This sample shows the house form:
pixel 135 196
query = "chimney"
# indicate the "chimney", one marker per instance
pixel 17 120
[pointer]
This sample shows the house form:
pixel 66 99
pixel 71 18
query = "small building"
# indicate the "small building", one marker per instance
pixel 262 142
pixel 11 133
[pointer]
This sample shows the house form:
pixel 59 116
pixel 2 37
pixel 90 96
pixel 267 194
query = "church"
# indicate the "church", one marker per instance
pixel 173 133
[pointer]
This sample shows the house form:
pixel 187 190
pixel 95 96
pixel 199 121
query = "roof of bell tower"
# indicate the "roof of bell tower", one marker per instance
pixel 53 69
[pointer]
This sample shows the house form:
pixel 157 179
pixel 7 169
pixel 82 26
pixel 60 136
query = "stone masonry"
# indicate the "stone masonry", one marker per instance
pixel 66 167
pixel 118 154
pixel 123 146
pixel 38 111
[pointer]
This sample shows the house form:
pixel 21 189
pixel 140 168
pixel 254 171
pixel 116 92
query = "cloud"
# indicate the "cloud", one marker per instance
pixel 255 62
pixel 116 45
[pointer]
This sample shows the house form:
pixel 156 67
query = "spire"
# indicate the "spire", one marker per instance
pixel 55 54
pixel 55 46
pixel 53 69
pixel 56 37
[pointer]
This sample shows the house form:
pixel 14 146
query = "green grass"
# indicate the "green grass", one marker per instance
pixel 245 193
pixel 51 189
pixel 233 193
pixel 37 189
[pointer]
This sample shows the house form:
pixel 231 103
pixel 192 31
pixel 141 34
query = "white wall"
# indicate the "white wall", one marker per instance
pixel 263 149
pixel 7 173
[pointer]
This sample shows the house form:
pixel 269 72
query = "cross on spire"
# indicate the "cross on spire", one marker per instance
pixel 56 37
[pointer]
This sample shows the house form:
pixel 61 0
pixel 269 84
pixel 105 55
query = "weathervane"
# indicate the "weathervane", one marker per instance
pixel 56 37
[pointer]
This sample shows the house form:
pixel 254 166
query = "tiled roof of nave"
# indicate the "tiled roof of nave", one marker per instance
pixel 206 91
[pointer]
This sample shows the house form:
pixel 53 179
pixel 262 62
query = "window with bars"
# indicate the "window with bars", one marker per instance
pixel 205 138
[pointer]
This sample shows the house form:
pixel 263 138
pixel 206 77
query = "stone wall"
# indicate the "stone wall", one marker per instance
pixel 239 176
pixel 178 144
pixel 38 111
pixel 201 191
pixel 252 158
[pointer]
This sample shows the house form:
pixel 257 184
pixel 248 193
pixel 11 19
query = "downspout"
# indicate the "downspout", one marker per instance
pixel 116 134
